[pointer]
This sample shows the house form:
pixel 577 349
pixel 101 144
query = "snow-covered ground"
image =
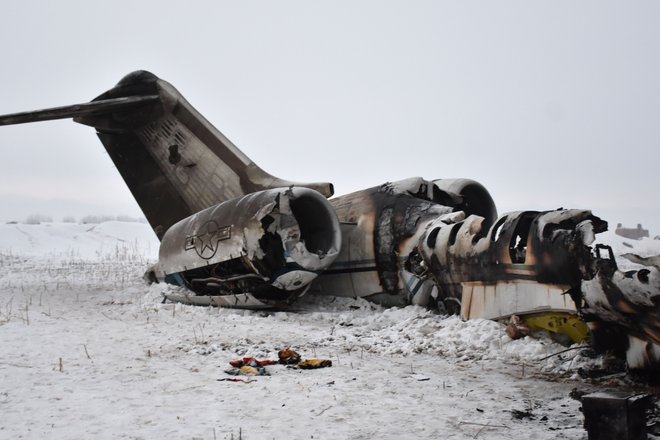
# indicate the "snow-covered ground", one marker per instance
pixel 89 351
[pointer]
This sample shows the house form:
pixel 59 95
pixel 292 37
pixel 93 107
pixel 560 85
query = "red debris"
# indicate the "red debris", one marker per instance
pixel 252 362
pixel 516 328
pixel 288 357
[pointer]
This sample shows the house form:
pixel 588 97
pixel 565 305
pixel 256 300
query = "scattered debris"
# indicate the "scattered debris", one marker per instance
pixel 517 328
pixel 311 364
pixel 576 394
pixel 564 351
pixel 653 418
pixel 612 367
pixel 232 379
pixel 519 414
pixel 252 371
pixel 247 370
pixel 420 377
pixel 249 366
pixel 252 362
pixel 323 410
pixel 288 357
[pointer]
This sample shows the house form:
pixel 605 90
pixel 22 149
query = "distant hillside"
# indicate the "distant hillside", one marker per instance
pixel 90 241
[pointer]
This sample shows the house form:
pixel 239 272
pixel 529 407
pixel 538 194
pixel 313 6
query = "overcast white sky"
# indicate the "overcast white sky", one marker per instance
pixel 548 104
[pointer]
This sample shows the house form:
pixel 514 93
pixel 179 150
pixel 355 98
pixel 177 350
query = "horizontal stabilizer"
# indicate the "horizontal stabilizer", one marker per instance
pixel 70 111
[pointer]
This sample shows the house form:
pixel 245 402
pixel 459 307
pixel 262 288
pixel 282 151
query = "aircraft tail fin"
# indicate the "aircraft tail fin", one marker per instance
pixel 173 160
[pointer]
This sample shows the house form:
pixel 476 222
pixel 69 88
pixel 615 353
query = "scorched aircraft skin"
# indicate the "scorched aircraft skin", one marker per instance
pixel 233 235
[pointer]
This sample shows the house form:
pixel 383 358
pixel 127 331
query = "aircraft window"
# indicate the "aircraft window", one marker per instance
pixel 497 229
pixel 433 236
pixel 453 233
pixel 481 233
pixel 518 244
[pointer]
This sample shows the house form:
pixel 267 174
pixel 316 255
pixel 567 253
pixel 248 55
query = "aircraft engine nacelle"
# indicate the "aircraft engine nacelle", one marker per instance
pixel 258 250
pixel 469 196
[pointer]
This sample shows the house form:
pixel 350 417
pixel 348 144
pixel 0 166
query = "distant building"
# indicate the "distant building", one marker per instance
pixel 633 233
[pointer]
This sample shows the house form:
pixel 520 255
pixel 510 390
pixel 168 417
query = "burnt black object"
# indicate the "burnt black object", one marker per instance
pixel 615 415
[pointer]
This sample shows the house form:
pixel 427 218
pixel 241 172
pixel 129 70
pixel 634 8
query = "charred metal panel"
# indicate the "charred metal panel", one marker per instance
pixel 505 298
pixel 381 226
pixel 238 301
pixel 642 354
pixel 625 306
pixel 398 216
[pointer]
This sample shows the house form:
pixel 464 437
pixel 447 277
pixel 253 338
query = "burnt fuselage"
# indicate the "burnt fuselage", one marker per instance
pixel 435 237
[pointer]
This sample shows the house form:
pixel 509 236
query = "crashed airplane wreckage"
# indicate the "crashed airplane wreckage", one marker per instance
pixel 233 235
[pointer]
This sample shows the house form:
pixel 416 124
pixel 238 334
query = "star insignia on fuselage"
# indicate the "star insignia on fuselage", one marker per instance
pixel 205 241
